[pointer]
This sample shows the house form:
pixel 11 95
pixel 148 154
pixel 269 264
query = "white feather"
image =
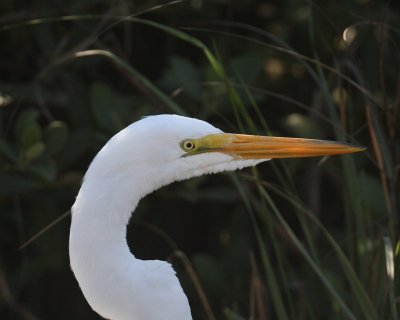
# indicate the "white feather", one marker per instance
pixel 141 158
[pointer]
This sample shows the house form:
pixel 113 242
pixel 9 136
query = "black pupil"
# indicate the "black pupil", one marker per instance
pixel 189 145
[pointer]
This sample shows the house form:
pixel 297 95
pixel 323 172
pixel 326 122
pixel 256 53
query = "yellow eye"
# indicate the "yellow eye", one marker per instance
pixel 188 145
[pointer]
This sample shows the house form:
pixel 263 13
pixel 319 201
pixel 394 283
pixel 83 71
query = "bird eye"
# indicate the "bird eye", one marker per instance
pixel 188 145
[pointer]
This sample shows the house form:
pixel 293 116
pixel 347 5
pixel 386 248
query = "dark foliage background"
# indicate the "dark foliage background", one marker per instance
pixel 74 73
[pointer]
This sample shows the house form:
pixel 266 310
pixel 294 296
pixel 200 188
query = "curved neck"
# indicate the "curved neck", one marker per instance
pixel 103 208
pixel 99 220
pixel 99 254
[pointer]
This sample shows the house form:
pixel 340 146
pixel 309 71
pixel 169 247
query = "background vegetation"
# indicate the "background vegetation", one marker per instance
pixel 292 239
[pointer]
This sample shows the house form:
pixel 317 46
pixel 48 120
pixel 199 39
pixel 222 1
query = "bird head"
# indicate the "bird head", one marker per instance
pixel 185 147
pixel 167 148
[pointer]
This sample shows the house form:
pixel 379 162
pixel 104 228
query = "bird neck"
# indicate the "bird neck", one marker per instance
pixel 101 213
pixel 99 254
pixel 99 221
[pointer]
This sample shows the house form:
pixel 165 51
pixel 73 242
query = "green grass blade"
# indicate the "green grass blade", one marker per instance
pixel 309 259
pixel 269 271
pixel 174 107
pixel 389 260
pixel 359 291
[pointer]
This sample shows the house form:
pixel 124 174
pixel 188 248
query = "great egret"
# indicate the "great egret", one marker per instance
pixel 145 156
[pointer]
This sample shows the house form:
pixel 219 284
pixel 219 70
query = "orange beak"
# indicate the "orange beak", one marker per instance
pixel 241 146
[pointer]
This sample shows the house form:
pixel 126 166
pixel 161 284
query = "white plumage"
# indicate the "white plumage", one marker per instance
pixel 143 157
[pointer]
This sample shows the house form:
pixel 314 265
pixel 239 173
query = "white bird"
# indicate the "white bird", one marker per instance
pixel 143 157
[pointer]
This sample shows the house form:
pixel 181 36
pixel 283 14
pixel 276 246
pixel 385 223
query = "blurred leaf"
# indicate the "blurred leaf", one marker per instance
pixel 168 101
pixel 1 119
pixel 45 39
pixel 106 105
pixel 372 191
pixel 27 117
pixel 247 67
pixel 237 248
pixel 210 273
pixel 45 170
pixel 300 126
pixel 183 74
pixel 12 183
pixel 34 151
pixel 55 136
pixel 7 150
pixel 232 315
pixel 29 133
pixel 217 193
pixel 77 144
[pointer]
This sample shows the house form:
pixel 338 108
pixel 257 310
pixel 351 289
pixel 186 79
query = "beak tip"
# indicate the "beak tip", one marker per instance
pixel 356 147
